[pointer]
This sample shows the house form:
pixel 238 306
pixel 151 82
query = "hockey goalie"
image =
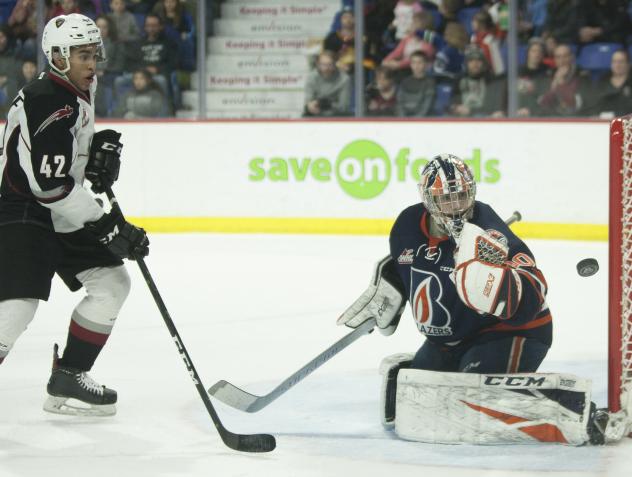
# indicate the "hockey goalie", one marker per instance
pixel 479 299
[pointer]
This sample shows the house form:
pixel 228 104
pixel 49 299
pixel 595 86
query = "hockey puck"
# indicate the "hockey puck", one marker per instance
pixel 587 267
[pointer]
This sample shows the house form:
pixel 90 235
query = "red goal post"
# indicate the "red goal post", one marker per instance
pixel 620 265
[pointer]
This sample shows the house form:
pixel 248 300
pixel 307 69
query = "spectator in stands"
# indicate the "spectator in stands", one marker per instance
pixel 63 7
pixel 23 25
pixel 9 64
pixel 564 95
pixel 421 37
pixel 416 93
pixel 484 36
pixel 28 73
pixel 125 26
pixel 155 52
pixel 532 78
pixel 499 12
pixel 381 97
pixel 404 11
pixel 111 68
pixel 342 41
pixel 532 18
pixel 612 95
pixel 448 10
pixel 450 58
pixel 91 8
pixel 177 20
pixel 143 6
pixel 478 93
pixel 563 20
pixel 604 21
pixel 144 100
pixel 327 89
pixel 376 23
pixel 9 70
pixel 550 44
pixel 115 56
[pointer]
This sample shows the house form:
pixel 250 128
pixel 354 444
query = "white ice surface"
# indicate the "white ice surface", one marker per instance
pixel 252 310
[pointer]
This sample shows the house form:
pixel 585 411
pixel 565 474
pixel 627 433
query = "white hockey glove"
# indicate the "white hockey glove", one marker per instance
pixel 483 280
pixel 384 300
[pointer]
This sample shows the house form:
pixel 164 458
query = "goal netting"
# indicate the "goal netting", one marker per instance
pixel 620 267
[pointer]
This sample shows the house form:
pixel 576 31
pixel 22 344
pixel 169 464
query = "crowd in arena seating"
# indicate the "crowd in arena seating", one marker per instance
pixel 150 48
pixel 449 57
pixel 422 58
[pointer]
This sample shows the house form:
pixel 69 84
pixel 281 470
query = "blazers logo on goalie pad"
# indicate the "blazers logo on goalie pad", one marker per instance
pixel 432 318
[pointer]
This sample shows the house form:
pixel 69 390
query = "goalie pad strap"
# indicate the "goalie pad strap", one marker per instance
pixel 389 368
pixel 456 408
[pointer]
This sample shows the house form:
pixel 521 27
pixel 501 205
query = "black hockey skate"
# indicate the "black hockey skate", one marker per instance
pixel 72 391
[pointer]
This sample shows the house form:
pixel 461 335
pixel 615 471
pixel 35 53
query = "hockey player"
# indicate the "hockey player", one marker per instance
pixel 480 300
pixel 49 223
pixel 473 286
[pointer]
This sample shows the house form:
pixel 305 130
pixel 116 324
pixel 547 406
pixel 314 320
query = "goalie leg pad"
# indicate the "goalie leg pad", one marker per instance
pixel 389 368
pixel 467 408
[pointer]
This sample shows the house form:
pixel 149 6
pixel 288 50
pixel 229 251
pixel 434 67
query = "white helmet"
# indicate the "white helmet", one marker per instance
pixel 448 191
pixel 65 31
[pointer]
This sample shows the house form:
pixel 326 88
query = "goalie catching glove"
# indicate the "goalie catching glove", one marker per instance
pixel 484 280
pixel 104 160
pixel 384 300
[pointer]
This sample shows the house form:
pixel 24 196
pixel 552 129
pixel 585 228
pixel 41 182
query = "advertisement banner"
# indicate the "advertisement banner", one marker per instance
pixel 553 172
pixel 256 63
pixel 281 44
pixel 273 28
pixel 305 11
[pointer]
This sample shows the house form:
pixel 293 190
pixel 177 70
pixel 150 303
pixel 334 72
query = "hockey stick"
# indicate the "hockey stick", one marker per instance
pixel 240 442
pixel 244 401
pixel 515 217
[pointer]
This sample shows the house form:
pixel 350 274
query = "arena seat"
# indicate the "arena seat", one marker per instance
pixel 443 96
pixel 596 56
pixel 465 15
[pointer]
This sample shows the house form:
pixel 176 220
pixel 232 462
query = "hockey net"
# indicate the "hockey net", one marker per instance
pixel 620 268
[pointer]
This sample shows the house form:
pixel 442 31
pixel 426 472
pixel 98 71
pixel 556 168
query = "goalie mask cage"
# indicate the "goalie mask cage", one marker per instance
pixel 620 266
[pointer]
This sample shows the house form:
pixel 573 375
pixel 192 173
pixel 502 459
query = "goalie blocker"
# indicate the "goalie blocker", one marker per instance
pixel 468 408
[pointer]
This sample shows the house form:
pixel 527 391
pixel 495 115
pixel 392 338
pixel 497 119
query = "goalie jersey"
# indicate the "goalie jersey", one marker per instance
pixel 426 267
pixel 44 154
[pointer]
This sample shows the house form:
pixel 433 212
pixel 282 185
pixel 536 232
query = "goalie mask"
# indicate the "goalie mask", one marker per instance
pixel 448 191
pixel 67 31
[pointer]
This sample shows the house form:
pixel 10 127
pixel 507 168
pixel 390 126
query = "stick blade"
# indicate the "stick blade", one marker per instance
pixel 252 442
pixel 232 395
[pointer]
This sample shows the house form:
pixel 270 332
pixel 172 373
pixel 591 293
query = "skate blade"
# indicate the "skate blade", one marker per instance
pixel 74 407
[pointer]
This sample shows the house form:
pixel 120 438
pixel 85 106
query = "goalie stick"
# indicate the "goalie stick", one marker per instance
pixel 240 442
pixel 245 401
